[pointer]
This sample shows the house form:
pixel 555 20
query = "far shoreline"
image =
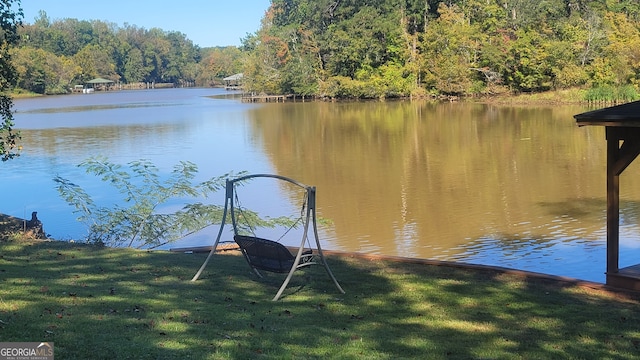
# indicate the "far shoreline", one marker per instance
pixel 549 98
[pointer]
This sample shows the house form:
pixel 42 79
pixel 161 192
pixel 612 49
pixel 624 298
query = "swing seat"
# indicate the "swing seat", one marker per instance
pixel 269 255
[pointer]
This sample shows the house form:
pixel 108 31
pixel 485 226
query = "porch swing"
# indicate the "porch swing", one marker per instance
pixel 271 255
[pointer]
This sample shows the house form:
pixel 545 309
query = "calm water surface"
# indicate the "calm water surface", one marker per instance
pixel 519 187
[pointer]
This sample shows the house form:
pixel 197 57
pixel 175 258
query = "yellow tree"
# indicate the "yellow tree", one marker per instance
pixel 623 49
pixel 450 51
pixel 43 72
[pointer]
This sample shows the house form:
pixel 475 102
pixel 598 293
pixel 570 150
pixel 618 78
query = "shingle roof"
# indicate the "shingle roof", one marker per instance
pixel 620 115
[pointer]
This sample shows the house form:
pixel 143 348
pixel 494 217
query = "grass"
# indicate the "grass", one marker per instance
pixel 104 303
pixel 553 97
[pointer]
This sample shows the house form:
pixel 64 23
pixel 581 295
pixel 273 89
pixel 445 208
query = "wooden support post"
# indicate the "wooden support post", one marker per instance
pixel 613 205
pixel 623 147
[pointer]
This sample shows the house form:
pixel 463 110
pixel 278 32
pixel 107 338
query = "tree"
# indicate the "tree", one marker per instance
pixel 527 65
pixel 155 52
pixel 141 218
pixel 182 52
pixel 100 48
pixel 218 63
pixel 134 69
pixel 10 20
pixel 262 70
pixel 623 49
pixel 450 52
pixel 30 65
pixel 361 41
pixel 95 62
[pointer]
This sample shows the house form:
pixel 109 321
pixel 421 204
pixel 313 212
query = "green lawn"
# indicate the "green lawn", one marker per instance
pixel 102 303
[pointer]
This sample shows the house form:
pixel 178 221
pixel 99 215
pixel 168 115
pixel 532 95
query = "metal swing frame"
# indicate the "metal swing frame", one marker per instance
pixel 302 257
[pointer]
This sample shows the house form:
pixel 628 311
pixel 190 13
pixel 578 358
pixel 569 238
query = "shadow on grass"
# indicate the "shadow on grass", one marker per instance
pixel 105 303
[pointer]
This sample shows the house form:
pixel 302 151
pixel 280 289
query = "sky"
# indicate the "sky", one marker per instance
pixel 205 22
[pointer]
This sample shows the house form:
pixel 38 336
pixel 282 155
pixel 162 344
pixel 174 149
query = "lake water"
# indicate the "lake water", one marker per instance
pixel 513 186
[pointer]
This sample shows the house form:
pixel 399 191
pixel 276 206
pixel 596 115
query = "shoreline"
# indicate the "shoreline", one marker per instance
pixel 555 97
pixel 10 224
pixel 593 285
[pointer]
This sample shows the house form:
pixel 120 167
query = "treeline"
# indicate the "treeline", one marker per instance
pixel 362 49
pixel 53 56
pixel 392 48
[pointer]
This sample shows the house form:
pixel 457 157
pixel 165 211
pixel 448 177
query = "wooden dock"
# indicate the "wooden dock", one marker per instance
pixel 265 98
pixel 626 278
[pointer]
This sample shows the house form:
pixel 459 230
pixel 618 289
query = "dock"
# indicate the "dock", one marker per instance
pixel 625 278
pixel 265 98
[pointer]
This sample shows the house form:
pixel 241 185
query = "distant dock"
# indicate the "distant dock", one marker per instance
pixel 265 98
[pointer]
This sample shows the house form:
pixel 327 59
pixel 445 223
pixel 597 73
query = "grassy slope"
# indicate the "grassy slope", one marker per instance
pixel 102 303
